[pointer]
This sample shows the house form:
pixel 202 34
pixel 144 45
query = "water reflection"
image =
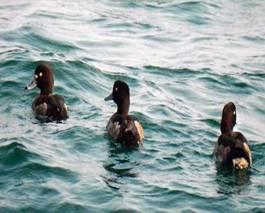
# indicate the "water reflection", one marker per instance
pixel 121 164
pixel 232 181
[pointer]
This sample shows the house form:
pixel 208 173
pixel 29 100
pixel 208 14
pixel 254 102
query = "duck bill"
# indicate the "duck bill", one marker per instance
pixel 108 98
pixel 32 84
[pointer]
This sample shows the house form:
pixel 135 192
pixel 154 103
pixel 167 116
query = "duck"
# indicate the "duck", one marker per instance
pixel 47 104
pixel 232 149
pixel 122 127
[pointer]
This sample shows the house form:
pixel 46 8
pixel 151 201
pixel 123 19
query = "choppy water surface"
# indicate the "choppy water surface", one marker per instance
pixel 183 61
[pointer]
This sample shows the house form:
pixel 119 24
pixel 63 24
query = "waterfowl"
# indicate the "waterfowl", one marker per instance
pixel 47 104
pixel 123 127
pixel 232 147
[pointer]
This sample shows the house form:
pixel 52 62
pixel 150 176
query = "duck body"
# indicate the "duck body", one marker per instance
pixel 232 150
pixel 232 147
pixel 122 127
pixel 126 130
pixel 47 104
pixel 52 106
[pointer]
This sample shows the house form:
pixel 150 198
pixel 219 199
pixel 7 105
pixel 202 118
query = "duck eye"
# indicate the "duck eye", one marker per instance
pixel 40 74
pixel 116 89
pixel 36 76
pixel 234 112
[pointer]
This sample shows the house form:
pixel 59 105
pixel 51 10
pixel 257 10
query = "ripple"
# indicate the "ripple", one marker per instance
pixel 182 60
pixel 15 154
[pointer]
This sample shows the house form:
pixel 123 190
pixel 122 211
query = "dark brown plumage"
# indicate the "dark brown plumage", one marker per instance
pixel 47 104
pixel 123 127
pixel 232 147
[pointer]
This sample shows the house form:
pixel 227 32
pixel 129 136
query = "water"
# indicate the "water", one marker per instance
pixel 183 60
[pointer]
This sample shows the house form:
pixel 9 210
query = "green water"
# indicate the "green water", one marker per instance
pixel 183 60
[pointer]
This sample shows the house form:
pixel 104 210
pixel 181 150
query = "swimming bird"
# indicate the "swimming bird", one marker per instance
pixel 47 104
pixel 232 147
pixel 123 127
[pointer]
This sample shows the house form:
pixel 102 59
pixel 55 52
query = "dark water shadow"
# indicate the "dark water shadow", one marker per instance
pixel 121 164
pixel 231 181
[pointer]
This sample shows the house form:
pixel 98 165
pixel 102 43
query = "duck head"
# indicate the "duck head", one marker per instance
pixel 43 79
pixel 228 118
pixel 121 96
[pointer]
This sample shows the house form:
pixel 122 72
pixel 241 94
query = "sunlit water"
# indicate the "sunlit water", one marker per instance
pixel 183 60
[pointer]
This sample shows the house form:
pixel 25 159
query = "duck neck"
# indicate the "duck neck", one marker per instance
pixel 226 126
pixel 46 92
pixel 123 107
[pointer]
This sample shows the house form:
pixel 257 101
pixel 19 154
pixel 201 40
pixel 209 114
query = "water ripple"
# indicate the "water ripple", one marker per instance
pixel 183 60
